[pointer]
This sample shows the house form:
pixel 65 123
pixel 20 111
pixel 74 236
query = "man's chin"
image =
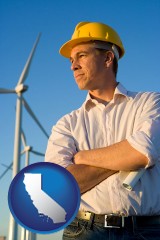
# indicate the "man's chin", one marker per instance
pixel 83 88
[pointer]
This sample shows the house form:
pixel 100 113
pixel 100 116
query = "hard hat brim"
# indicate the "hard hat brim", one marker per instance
pixel 66 48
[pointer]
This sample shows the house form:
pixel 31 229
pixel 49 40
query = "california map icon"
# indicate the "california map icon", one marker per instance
pixel 44 197
pixel 43 202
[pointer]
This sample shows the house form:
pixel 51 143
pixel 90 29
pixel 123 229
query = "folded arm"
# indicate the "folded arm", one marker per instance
pixel 88 177
pixel 93 166
pixel 119 156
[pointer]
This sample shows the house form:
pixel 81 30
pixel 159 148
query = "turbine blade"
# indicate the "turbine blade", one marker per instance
pixel 25 71
pixel 23 138
pixel 4 90
pixel 22 152
pixel 38 153
pixel 8 168
pixel 34 116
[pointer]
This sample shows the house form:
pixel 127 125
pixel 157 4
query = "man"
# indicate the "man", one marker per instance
pixel 114 131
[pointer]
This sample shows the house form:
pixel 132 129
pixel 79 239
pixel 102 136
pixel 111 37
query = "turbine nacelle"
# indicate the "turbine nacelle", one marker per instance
pixel 21 88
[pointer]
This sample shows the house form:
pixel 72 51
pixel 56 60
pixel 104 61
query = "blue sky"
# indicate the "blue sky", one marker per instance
pixel 52 91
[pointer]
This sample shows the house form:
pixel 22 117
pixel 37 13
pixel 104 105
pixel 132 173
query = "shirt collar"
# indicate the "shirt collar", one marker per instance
pixel 120 90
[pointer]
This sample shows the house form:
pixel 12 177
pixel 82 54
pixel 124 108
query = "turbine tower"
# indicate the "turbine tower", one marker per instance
pixel 19 90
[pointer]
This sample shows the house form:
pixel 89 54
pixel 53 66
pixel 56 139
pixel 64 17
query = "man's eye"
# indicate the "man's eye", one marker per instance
pixel 82 55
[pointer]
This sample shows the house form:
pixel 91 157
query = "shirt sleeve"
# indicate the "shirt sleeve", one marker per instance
pixel 146 136
pixel 61 145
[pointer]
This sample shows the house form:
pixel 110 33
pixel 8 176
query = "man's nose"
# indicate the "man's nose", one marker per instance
pixel 75 65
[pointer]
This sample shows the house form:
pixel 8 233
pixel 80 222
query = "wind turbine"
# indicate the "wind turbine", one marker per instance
pixel 19 90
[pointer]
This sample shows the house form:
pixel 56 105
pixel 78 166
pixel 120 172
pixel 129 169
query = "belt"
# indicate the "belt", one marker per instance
pixel 117 221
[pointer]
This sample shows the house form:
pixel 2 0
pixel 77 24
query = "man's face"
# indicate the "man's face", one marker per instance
pixel 88 66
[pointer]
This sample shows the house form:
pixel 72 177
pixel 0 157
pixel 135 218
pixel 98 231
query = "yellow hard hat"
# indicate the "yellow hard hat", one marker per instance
pixel 90 31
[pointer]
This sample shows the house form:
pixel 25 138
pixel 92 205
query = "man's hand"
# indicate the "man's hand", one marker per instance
pixel 78 157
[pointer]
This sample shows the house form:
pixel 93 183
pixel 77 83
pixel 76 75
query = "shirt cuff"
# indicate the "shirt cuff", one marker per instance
pixel 142 143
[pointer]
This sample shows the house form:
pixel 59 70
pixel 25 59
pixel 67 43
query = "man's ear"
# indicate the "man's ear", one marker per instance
pixel 109 58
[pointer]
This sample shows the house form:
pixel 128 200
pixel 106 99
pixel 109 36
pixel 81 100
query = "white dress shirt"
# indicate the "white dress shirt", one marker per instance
pixel 129 115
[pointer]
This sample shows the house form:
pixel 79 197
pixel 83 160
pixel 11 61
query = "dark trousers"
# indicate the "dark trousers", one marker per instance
pixel 83 230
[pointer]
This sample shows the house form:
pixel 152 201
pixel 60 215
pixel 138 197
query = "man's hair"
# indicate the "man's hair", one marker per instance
pixel 115 66
pixel 115 61
pixel 106 46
